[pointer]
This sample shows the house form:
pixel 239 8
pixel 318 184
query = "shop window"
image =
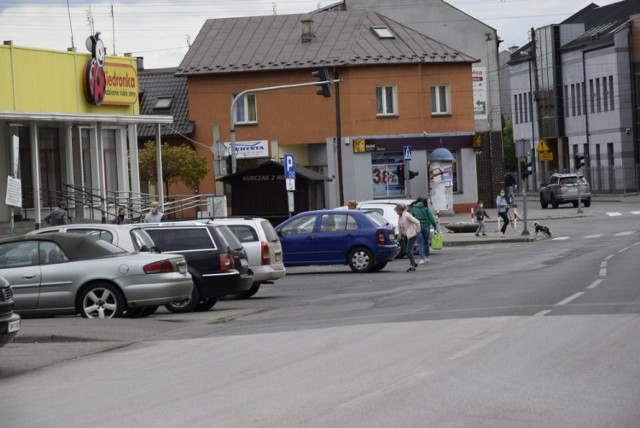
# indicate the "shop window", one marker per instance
pixel 246 109
pixel 50 171
pixel 440 100
pixel 385 174
pixel 85 136
pixel 386 100
pixel 110 167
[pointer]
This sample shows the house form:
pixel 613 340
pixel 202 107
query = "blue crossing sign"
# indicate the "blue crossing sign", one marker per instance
pixel 407 153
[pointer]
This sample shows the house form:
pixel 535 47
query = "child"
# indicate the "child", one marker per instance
pixel 481 214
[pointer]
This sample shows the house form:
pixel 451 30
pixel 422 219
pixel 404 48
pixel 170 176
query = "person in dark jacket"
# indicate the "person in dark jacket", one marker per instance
pixel 481 214
pixel 509 185
pixel 122 217
pixel 425 216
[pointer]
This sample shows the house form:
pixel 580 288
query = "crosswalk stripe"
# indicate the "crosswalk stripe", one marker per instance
pixel 561 238
pixel 627 233
pixel 635 212
pixel 592 236
pixel 613 214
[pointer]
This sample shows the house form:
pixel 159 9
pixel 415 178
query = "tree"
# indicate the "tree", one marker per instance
pixel 179 163
pixel 510 160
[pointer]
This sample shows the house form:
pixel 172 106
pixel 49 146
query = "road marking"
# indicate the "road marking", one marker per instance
pixel 609 256
pixel 603 264
pixel 637 243
pixel 603 272
pixel 476 346
pixel 409 381
pixel 614 214
pixel 542 313
pixel 561 238
pixel 635 212
pixel 627 233
pixel 570 298
pixel 623 250
pixel 595 283
pixel 592 236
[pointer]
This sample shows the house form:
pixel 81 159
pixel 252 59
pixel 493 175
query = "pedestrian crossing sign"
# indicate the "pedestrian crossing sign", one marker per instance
pixel 407 153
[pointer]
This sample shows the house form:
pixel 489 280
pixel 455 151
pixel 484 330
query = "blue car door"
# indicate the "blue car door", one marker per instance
pixel 335 237
pixel 298 240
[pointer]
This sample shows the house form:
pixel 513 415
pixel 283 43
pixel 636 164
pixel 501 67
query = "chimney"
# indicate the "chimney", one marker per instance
pixel 307 30
pixel 140 63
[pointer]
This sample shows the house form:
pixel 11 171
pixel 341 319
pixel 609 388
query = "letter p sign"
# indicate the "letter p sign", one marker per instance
pixel 289 167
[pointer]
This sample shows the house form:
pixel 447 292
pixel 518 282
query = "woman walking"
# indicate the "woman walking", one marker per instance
pixel 502 206
pixel 423 213
pixel 408 226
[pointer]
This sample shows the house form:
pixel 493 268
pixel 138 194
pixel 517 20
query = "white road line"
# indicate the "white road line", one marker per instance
pixel 622 250
pixel 603 264
pixel 627 233
pixel 595 283
pixel 592 236
pixel 609 256
pixel 561 238
pixel 635 212
pixel 614 214
pixel 637 243
pixel 476 346
pixel 570 298
pixel 603 272
pixel 542 313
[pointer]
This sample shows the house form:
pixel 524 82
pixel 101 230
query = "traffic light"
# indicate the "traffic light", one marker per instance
pixel 400 174
pixel 578 161
pixel 322 75
pixel 525 169
pixel 413 174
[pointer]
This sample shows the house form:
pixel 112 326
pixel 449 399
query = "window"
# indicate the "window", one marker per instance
pixel 599 106
pixel 605 95
pixel 573 100
pixel 592 97
pixel 163 102
pixel 440 99
pixel 611 104
pixel 246 109
pixel 386 100
pixel 303 224
pixel 578 98
pixel 520 107
pixel 515 107
pixel 105 235
pixel 566 101
pixel 526 107
pixel 383 32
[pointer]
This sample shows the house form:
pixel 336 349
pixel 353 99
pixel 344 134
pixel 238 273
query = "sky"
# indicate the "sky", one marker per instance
pixel 162 30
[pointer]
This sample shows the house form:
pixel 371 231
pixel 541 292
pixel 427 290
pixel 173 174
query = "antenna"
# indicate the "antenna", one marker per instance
pixel 90 20
pixel 113 29
pixel 70 26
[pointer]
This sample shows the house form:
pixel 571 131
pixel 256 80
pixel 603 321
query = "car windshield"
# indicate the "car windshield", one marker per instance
pixel 230 239
pixel 142 241
pixel 377 218
pixel 269 231
pixel 109 247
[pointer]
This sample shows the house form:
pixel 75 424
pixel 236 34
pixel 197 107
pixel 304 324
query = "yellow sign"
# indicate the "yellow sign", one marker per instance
pixel 545 156
pixel 542 146
pixel 122 84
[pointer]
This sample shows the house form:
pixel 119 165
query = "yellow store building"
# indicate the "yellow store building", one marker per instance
pixel 68 131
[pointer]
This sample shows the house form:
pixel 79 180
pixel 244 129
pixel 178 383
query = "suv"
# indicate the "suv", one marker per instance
pixel 9 322
pixel 563 189
pixel 260 240
pixel 132 238
pixel 215 258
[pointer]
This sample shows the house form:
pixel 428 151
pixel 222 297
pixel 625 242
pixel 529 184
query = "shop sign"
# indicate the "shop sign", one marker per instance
pixel 263 177
pixel 360 145
pixel 249 149
pixel 108 83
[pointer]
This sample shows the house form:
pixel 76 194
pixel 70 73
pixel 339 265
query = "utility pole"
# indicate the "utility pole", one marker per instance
pixel 536 94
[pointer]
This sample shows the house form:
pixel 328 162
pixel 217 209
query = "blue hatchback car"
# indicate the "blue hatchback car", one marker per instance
pixel 362 240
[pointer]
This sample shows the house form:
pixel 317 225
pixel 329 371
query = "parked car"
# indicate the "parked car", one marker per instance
pixel 263 247
pixel 130 237
pixel 563 189
pixel 362 240
pixel 217 261
pixel 67 273
pixel 9 321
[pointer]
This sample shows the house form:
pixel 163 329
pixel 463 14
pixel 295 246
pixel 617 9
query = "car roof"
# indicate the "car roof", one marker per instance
pixel 77 247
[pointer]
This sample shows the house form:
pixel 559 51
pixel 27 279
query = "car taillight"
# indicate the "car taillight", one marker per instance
pixel 227 261
pixel 264 251
pixel 380 238
pixel 159 267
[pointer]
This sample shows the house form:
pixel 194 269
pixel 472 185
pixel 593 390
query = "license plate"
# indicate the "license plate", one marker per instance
pixel 14 326
pixel 278 257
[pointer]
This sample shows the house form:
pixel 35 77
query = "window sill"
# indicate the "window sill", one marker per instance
pixel 387 116
pixel 246 124
pixel 441 114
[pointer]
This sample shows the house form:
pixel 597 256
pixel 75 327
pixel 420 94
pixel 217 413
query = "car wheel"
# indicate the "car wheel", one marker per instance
pixel 142 312
pixel 360 260
pixel 250 292
pixel 379 266
pixel 554 203
pixel 101 301
pixel 543 203
pixel 587 203
pixel 186 305
pixel 206 304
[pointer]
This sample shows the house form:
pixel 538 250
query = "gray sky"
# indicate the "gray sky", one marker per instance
pixel 161 30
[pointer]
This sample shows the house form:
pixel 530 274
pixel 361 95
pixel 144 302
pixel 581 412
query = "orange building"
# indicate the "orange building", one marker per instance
pixel 397 88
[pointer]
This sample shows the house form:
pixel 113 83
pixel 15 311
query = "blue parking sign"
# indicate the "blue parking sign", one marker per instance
pixel 289 167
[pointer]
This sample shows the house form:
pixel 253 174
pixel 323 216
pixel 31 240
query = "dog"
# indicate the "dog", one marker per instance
pixel 542 229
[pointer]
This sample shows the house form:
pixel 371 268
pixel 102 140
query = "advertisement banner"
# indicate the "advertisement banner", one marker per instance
pixel 479 75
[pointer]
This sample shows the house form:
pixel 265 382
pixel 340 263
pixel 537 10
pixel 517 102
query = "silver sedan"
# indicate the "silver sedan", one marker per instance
pixel 63 273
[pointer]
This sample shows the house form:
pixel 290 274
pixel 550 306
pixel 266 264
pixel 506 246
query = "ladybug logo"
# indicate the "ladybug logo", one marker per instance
pixel 95 78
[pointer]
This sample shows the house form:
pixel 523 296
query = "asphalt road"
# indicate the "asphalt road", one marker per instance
pixel 541 333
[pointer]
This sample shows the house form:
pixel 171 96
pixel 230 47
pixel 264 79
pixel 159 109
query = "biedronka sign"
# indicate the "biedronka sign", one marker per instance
pixel 108 83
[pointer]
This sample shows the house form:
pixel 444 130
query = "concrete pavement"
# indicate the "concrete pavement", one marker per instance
pixel 45 341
